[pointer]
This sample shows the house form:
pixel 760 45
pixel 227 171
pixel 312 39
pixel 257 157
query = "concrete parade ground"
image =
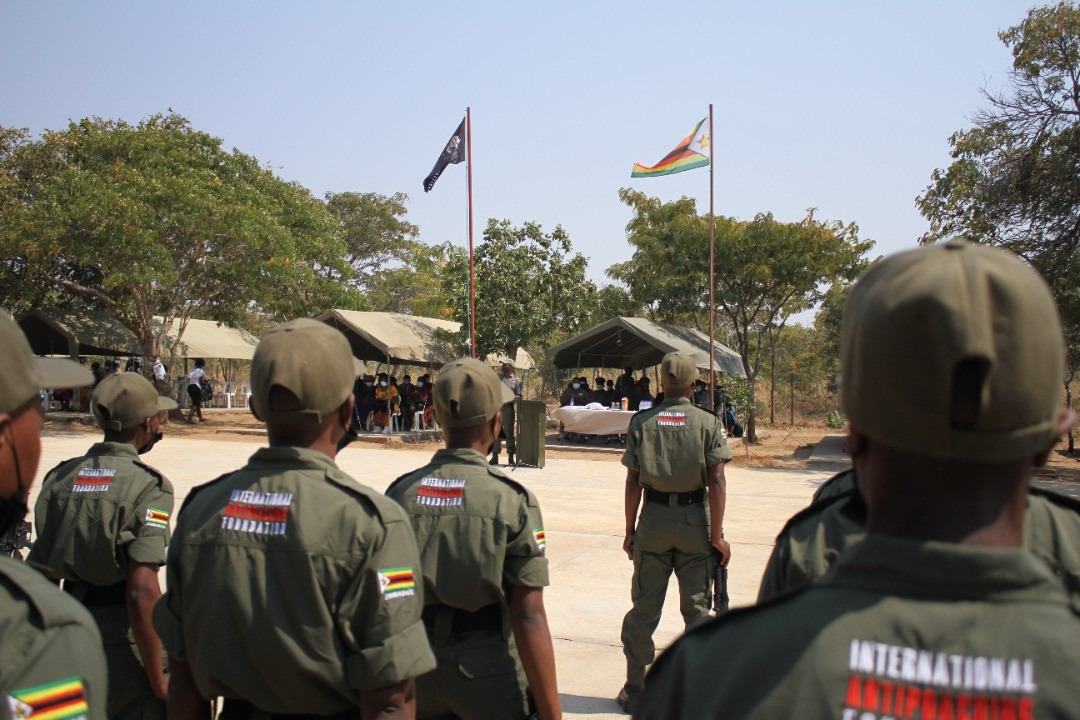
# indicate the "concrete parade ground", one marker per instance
pixel 582 502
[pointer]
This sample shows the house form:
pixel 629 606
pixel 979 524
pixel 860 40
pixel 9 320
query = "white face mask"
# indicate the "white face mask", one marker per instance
pixel 383 384
pixel 419 383
pixel 577 386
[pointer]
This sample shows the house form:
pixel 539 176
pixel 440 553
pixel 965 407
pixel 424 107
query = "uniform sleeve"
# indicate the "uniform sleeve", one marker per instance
pixel 633 443
pixel 144 538
pixel 168 617
pixel 716 450
pixel 379 616
pixel 525 563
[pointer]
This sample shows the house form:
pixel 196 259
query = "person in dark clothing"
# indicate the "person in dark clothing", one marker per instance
pixel 641 393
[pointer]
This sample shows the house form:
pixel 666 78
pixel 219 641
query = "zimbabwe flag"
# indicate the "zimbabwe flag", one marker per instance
pixel 691 152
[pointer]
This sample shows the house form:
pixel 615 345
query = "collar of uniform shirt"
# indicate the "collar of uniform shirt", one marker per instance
pixel 893 566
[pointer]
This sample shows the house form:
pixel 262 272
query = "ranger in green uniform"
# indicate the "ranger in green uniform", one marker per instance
pixel 675 455
pixel 103 523
pixel 952 364
pixel 813 538
pixel 509 413
pixel 50 649
pixel 482 542
pixel 292 588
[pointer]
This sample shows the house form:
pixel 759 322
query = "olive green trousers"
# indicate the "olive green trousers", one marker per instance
pixel 130 696
pixel 667 539
pixel 509 414
pixel 479 676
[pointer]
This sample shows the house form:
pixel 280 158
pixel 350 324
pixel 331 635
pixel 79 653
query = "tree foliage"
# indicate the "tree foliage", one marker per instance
pixel 375 233
pixel 766 270
pixel 1014 180
pixel 157 219
pixel 530 286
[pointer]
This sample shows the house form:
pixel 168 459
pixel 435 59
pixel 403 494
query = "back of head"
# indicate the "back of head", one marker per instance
pixel 302 371
pixel 953 352
pixel 678 371
pixel 468 393
pixel 123 401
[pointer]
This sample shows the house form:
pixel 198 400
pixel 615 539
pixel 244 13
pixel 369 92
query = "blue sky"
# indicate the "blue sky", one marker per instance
pixel 841 106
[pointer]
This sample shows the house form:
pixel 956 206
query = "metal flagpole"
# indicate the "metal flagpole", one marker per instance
pixel 712 270
pixel 472 271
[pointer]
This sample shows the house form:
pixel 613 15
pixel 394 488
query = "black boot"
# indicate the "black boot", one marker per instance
pixel 494 459
pixel 510 459
pixel 631 691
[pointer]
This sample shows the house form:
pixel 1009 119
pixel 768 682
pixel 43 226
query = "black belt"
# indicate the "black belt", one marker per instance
pixel 694 497
pixel 97 595
pixel 234 709
pixel 487 618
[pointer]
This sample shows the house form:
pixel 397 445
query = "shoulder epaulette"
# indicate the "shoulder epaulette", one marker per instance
pixel 1060 499
pixel 52 605
pixel 195 490
pixel 818 507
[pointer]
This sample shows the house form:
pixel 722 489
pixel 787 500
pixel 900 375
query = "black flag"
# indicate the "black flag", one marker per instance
pixel 454 152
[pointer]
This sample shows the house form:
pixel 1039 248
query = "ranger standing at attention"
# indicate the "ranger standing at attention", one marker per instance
pixel 481 541
pixel 509 414
pixel 291 587
pixel 103 524
pixel 50 649
pixel 952 361
pixel 675 455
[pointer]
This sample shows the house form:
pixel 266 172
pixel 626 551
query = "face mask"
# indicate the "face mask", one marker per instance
pixel 577 385
pixel 419 383
pixel 154 440
pixel 368 383
pixel 383 384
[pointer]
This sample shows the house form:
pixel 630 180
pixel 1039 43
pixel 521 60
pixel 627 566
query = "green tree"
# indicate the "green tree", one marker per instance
pixel 375 233
pixel 530 286
pixel 157 219
pixel 415 286
pixel 766 270
pixel 1014 181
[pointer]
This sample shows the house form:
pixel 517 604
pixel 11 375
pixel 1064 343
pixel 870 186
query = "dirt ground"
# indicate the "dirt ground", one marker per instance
pixel 778 447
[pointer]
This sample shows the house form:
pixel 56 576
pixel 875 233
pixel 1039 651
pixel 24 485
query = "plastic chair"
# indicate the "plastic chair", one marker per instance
pixel 245 389
pixel 418 420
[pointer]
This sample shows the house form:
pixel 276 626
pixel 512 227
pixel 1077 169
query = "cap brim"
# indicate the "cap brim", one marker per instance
pixel 60 373
pixel 166 403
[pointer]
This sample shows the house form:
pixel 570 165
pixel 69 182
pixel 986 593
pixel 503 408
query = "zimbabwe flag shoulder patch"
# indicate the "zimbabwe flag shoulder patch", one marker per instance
pixel 397 582
pixel 60 700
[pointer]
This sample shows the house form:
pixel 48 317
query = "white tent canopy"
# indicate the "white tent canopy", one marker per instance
pixel 395 337
pixel 522 360
pixel 209 339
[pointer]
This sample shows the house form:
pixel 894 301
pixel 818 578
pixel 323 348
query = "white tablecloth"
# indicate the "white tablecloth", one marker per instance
pixel 593 422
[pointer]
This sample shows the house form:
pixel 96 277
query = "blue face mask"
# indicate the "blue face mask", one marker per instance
pixel 577 386
pixel 419 383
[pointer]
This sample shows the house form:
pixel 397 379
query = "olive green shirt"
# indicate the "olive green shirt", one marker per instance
pixel 898 628
pixel 99 511
pixel 292 586
pixel 478 531
pixel 50 649
pixel 673 445
pixel 813 539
